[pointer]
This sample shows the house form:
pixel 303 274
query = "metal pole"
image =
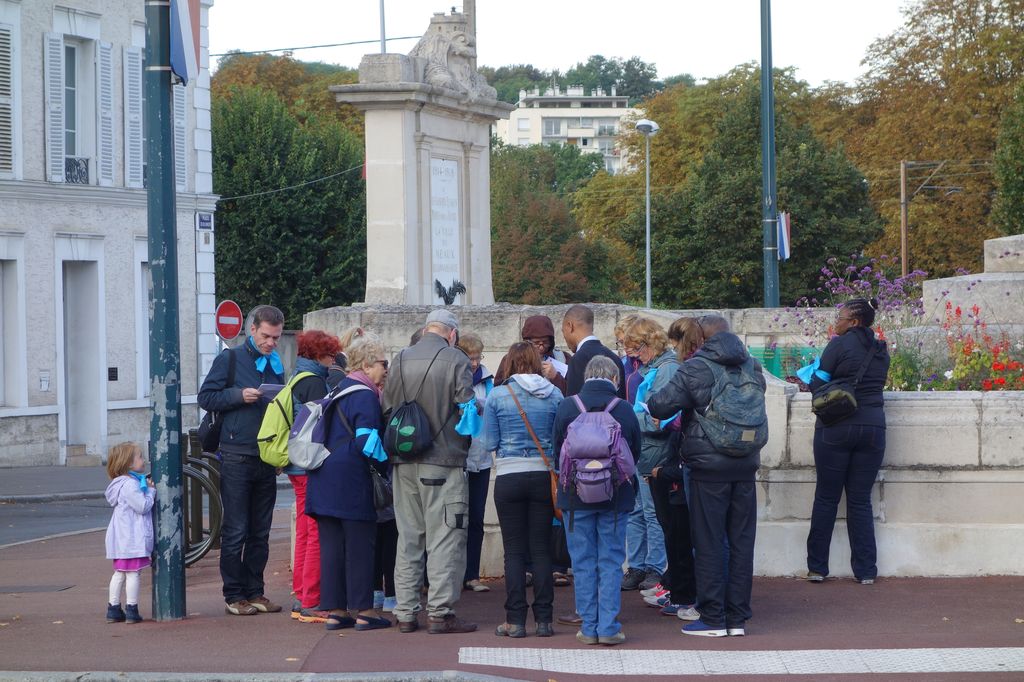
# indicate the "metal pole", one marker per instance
pixel 383 40
pixel 769 208
pixel 164 353
pixel 647 196
pixel 904 226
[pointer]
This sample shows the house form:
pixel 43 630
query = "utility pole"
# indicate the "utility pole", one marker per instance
pixel 164 352
pixel 904 215
pixel 769 207
pixel 383 39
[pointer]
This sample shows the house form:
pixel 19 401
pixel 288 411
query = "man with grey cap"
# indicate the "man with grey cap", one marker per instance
pixel 430 492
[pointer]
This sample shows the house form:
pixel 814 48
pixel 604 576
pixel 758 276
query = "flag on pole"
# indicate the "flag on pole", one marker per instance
pixel 185 39
pixel 784 224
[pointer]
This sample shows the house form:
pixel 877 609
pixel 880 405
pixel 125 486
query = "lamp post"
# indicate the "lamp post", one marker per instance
pixel 647 128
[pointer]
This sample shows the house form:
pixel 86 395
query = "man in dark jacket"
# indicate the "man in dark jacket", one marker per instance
pixel 431 493
pixel 248 486
pixel 596 532
pixel 578 330
pixel 723 501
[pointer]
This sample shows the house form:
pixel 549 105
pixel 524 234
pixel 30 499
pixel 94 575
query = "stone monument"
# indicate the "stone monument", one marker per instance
pixel 428 213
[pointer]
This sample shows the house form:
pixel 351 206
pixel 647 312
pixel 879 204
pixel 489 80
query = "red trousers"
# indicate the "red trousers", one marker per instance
pixel 306 565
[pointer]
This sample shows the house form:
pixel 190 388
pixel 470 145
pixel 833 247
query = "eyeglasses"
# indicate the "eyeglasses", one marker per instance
pixel 635 351
pixel 541 342
pixel 382 362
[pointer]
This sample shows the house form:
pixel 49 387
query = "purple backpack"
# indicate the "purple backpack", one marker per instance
pixel 594 456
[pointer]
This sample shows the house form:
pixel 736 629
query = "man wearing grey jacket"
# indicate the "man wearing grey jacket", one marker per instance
pixel 430 493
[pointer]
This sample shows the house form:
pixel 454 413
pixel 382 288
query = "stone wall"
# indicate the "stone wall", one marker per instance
pixel 948 498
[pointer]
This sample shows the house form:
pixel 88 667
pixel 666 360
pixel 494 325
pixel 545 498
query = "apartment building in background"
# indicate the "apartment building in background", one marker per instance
pixel 74 264
pixel 588 121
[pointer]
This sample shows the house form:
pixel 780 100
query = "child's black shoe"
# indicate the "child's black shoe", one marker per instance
pixel 132 614
pixel 115 614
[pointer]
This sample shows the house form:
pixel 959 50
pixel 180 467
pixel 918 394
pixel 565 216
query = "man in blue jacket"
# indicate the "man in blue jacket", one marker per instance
pixel 248 485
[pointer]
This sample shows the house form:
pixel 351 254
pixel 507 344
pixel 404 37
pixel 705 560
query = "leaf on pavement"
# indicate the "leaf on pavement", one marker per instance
pixel 58 622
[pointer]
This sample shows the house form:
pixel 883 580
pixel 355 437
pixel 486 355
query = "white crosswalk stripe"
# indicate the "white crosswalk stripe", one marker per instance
pixel 592 661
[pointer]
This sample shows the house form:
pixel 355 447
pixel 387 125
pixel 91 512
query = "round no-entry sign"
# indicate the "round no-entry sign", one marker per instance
pixel 229 320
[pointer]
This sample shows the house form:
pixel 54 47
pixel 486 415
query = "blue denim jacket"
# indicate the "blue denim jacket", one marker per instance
pixel 504 430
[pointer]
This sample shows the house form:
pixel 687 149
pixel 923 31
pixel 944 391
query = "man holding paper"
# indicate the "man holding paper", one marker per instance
pixel 248 486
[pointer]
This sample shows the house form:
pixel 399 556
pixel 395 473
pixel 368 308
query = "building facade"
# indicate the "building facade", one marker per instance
pixel 590 122
pixel 74 271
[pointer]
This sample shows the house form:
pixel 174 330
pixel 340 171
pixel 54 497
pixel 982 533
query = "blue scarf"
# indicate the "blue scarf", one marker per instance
pixel 141 478
pixel 261 361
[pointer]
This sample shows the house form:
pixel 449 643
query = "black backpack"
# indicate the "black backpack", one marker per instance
pixel 210 426
pixel 407 434
pixel 735 421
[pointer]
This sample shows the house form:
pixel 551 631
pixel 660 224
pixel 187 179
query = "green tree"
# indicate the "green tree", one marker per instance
pixel 1009 209
pixel 537 252
pixel 708 235
pixel 597 72
pixel 509 80
pixel 280 241
pixel 639 80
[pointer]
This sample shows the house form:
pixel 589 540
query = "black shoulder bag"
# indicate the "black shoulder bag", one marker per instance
pixel 383 494
pixel 836 400
pixel 209 427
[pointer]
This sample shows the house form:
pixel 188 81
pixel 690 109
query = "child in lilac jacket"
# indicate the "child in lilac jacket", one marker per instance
pixel 130 531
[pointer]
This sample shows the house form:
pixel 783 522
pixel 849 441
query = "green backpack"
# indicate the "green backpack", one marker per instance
pixel 277 423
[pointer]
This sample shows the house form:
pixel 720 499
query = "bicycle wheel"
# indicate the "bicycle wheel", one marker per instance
pixel 215 514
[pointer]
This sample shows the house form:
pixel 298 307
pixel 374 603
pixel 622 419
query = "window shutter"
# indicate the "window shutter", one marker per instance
pixel 180 118
pixel 133 132
pixel 53 67
pixel 6 100
pixel 105 114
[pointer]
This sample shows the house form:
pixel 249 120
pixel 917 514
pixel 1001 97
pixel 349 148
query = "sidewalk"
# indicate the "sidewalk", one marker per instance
pixel 52 603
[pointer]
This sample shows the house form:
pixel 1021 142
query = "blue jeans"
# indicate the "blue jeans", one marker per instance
pixel 479 482
pixel 597 545
pixel 644 537
pixel 248 491
pixel 846 458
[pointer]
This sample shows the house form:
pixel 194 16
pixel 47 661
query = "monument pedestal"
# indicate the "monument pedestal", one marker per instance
pixel 428 212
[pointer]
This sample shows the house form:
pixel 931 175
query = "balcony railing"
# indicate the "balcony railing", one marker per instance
pixel 76 170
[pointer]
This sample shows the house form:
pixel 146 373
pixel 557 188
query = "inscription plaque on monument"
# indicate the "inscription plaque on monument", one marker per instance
pixel 444 221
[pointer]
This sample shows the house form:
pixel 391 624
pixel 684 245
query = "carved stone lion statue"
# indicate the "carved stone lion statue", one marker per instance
pixel 448 51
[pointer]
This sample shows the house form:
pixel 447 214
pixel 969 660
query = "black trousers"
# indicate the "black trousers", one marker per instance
pixel 384 557
pixel 346 563
pixel 523 502
pixel 719 512
pixel 679 579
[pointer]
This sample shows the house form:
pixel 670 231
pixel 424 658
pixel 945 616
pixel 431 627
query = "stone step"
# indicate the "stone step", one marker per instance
pixel 78 456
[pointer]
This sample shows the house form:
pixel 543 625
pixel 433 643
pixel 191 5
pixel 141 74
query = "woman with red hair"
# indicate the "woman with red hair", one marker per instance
pixel 316 351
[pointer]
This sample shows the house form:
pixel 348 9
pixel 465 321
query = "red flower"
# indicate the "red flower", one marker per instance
pixel 975 309
pixel 949 305
pixel 1014 365
pixel 1001 381
pixel 986 385
pixel 998 366
pixel 958 311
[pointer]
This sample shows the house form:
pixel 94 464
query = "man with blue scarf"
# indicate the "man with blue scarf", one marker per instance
pixel 248 486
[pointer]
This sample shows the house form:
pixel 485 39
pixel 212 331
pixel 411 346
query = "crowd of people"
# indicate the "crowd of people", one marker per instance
pixel 614 468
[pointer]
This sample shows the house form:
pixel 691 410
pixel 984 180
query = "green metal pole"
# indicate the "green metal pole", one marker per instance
pixel 769 207
pixel 164 353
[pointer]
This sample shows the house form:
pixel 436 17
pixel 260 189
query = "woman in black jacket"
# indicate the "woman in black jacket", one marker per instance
pixel 848 454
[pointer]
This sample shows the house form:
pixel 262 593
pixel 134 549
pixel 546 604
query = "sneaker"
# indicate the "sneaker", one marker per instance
pixel 736 631
pixel 653 578
pixel 378 599
pixel 313 615
pixel 618 638
pixel 296 609
pixel 669 609
pixel 264 605
pixel 389 604
pixel 657 600
pixel 702 629
pixel 570 619
pixel 687 612
pixel 475 586
pixel 632 578
pixel 866 581
pixel 131 614
pixel 586 639
pixel 115 614
pixel 654 590
pixel 241 608
pixel 813 577
pixel 450 624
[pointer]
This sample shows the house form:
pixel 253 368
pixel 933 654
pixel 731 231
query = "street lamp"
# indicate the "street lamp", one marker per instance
pixel 647 128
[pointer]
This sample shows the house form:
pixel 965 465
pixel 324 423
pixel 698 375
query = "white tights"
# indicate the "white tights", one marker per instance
pixel 130 581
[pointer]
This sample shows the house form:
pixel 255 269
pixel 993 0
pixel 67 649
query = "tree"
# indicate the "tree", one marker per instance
pixel 597 72
pixel 1009 168
pixel 537 252
pixel 298 246
pixel 509 80
pixel 639 79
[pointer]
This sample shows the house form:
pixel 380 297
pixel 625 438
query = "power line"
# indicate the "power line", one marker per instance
pixel 283 189
pixel 309 47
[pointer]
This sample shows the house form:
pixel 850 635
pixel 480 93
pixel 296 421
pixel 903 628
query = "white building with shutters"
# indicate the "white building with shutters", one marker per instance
pixel 74 323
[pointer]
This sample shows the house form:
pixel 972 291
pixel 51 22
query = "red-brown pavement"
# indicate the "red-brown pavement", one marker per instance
pixel 42 629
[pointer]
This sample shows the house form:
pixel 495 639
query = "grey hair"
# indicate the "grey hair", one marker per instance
pixel 364 351
pixel 712 324
pixel 601 367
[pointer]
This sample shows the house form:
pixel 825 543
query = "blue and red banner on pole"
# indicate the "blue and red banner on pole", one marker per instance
pixel 784 226
pixel 185 39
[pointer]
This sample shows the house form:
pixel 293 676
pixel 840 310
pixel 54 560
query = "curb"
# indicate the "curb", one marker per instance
pixel 414 676
pixel 83 495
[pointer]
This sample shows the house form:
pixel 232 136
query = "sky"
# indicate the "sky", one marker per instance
pixel 825 39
